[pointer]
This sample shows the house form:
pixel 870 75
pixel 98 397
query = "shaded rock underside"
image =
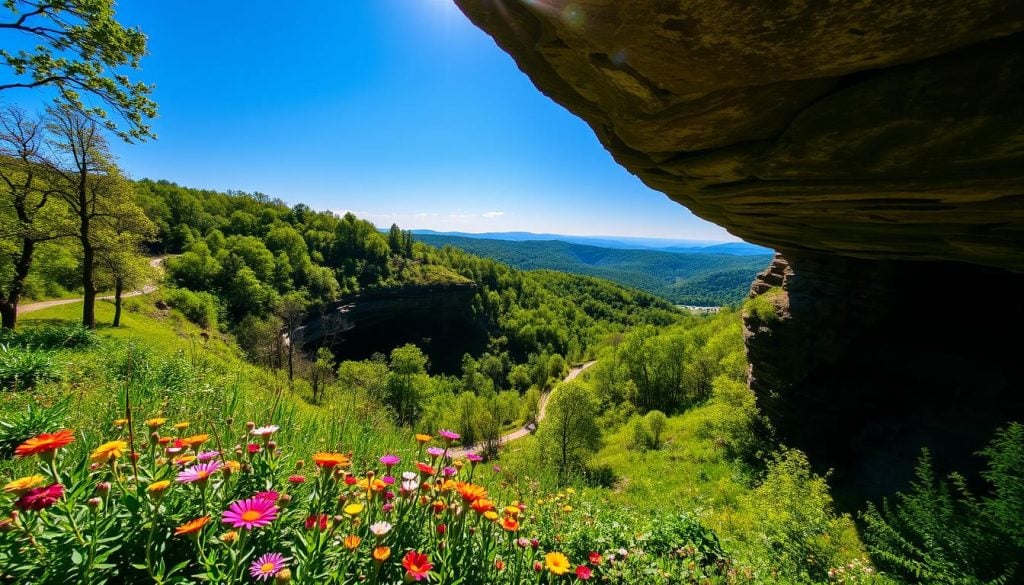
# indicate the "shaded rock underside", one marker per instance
pixel 879 146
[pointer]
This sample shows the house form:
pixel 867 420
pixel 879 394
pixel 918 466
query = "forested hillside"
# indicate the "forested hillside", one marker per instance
pixel 682 278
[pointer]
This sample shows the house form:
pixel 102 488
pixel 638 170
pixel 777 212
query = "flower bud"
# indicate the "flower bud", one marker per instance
pixel 230 421
pixel 249 426
pixel 537 567
pixel 282 577
pixel 271 446
pixel 299 464
pixel 154 438
pixel 103 488
pixel 94 503
pixel 284 499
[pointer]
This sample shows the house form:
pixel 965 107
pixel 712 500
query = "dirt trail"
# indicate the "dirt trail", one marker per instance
pixel 520 433
pixel 28 308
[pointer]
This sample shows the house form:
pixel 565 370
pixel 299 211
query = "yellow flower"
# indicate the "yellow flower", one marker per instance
pixel 491 515
pixel 23 484
pixel 181 426
pixel 567 508
pixel 120 422
pixel 108 451
pixel 512 511
pixel 154 423
pixel 556 563
pixel 233 465
pixel 353 509
pixel 158 486
pixel 421 438
pixel 229 536
pixel 570 490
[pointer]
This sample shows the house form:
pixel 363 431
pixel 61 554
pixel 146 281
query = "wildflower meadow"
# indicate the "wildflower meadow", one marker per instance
pixel 188 508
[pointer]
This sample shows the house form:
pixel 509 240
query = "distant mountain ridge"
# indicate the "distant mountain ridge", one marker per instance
pixel 686 277
pixel 673 245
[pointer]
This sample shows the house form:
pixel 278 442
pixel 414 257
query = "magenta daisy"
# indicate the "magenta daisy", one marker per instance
pixel 250 513
pixel 199 473
pixel 40 498
pixel 474 458
pixel 435 452
pixel 267 566
pixel 207 456
pixel 449 435
pixel 390 461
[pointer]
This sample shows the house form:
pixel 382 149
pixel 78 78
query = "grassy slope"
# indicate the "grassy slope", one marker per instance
pixel 171 371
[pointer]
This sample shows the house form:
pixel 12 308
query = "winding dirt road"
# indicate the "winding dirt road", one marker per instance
pixel 520 433
pixel 28 308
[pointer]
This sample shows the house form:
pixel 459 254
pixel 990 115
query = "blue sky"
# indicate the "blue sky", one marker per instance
pixel 398 110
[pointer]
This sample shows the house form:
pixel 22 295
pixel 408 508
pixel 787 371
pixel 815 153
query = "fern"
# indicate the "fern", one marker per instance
pixel 939 532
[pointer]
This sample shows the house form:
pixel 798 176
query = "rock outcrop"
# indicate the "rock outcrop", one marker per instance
pixel 439 319
pixel 879 146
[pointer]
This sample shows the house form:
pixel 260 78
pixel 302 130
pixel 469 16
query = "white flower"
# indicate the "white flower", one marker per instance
pixel 408 475
pixel 410 485
pixel 267 430
pixel 381 528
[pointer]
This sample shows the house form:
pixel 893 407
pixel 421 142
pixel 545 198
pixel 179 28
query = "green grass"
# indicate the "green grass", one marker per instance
pixel 159 361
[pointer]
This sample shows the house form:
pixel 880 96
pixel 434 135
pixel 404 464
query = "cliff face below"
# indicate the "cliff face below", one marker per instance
pixel 439 319
pixel 879 146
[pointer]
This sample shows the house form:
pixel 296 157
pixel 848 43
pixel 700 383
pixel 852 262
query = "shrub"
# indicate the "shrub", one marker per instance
pixel 200 308
pixel 940 532
pixel 23 368
pixel 762 307
pixel 61 336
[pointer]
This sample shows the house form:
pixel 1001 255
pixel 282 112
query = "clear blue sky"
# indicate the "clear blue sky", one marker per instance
pixel 398 110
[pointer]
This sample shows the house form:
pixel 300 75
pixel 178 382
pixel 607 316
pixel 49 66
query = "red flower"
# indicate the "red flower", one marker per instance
pixel 595 558
pixel 583 572
pixel 318 521
pixel 417 565
pixel 45 443
pixel 40 498
pixel 296 479
pixel 424 468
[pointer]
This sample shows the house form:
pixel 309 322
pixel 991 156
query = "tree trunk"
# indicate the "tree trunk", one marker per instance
pixel 118 288
pixel 9 306
pixel 88 283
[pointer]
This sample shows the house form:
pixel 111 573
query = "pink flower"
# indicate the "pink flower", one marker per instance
pixel 199 473
pixel 263 431
pixel 435 451
pixel 250 513
pixel 40 498
pixel 270 496
pixel 267 566
pixel 390 461
pixel 583 572
pixel 207 456
pixel 450 471
pixel 449 435
pixel 253 448
pixel 474 458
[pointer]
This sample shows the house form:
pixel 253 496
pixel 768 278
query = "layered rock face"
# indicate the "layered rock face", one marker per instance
pixel 879 146
pixel 439 319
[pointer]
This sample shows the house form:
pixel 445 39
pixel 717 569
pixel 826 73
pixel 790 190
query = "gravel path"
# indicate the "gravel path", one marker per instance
pixel 520 433
pixel 28 308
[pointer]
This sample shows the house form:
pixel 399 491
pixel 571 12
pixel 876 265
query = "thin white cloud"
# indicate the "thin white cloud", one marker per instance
pixel 493 214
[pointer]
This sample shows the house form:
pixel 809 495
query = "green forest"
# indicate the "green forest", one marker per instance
pixel 699 279
pixel 165 421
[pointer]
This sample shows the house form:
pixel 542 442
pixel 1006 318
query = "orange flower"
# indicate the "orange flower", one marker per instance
pixel 195 440
pixel 439 506
pixel 381 553
pixel 482 505
pixel 45 444
pixel 233 465
pixel 229 536
pixel 331 460
pixel 352 542
pixel 421 438
pixel 193 526
pixel 509 523
pixel 470 492
pixel 158 487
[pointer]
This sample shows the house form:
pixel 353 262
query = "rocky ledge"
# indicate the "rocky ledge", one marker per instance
pixel 878 146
